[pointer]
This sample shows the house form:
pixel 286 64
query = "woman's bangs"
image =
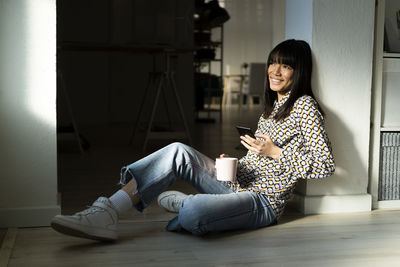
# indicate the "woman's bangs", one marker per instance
pixel 282 57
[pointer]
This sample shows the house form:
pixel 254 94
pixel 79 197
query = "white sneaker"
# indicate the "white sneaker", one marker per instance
pixel 171 200
pixel 98 222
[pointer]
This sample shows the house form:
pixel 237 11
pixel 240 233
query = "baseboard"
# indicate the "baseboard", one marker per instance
pixel 28 216
pixel 332 204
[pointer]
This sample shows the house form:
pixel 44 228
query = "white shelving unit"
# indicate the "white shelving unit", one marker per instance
pixel 391 55
pixel 385 111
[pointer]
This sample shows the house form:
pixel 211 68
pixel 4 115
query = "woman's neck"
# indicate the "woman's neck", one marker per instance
pixel 280 95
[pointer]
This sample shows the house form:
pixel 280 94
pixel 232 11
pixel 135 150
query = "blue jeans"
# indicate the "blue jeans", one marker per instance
pixel 216 208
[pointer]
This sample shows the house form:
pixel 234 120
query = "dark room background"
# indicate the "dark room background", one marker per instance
pixel 106 52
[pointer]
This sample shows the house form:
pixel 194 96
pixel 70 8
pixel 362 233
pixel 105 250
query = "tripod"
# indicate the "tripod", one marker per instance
pixel 161 82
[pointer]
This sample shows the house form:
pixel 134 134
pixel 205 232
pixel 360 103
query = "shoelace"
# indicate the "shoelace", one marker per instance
pixel 176 203
pixel 90 209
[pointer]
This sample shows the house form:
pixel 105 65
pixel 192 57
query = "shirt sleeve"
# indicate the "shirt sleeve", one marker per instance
pixel 312 157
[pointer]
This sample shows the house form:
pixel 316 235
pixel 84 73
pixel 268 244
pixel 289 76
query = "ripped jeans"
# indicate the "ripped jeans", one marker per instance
pixel 216 208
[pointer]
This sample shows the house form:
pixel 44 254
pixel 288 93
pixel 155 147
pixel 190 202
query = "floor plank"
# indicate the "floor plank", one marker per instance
pixel 3 232
pixel 7 245
pixel 357 239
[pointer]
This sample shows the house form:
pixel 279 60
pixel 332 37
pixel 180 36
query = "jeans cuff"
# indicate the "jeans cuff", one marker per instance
pixel 174 225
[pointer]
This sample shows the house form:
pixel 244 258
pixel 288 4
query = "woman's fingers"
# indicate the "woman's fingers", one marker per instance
pixel 246 145
pixel 250 147
pixel 261 146
pixel 263 136
pixel 248 139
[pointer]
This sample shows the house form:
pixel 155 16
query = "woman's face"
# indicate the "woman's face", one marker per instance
pixel 280 77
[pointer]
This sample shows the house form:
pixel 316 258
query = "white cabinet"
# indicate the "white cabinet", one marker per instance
pixel 385 133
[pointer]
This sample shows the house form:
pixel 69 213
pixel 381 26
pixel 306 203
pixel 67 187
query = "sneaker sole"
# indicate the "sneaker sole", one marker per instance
pixel 67 230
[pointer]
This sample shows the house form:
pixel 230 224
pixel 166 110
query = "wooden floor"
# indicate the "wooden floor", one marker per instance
pixel 357 239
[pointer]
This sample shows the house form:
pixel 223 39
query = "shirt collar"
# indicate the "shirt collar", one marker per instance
pixel 279 103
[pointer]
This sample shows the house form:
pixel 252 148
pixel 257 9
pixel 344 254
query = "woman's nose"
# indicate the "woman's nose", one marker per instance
pixel 276 69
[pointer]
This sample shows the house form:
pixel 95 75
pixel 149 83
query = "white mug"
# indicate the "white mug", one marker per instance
pixel 226 168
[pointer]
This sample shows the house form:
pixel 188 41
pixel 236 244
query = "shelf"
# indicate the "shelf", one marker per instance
pixel 133 48
pixel 208 54
pixel 209 109
pixel 388 204
pixel 200 45
pixel 390 129
pixel 207 60
pixel 391 55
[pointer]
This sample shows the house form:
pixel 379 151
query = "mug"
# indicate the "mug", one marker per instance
pixel 226 168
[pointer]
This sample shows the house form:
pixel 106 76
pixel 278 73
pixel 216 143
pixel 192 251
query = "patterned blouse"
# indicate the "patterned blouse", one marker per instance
pixel 306 154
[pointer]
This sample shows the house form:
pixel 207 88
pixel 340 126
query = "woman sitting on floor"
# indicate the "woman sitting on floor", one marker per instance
pixel 291 144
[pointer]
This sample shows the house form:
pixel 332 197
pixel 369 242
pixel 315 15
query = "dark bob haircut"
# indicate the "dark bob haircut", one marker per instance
pixel 296 54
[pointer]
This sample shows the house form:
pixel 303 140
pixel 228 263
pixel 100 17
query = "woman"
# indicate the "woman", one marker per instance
pixel 291 144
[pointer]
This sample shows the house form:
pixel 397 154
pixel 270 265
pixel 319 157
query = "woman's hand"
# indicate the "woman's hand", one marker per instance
pixel 263 147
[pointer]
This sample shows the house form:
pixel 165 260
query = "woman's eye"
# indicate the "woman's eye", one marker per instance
pixel 287 67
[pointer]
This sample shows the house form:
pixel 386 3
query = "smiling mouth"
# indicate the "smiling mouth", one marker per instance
pixel 275 80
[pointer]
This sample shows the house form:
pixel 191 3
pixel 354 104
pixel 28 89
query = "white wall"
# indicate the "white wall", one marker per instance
pixel 248 33
pixel 342 34
pixel 299 18
pixel 278 21
pixel 28 158
pixel 343 81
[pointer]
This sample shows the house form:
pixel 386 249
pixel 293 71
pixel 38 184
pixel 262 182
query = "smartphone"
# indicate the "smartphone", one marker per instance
pixel 245 130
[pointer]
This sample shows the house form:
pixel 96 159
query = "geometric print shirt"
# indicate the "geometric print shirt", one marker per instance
pixel 306 154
